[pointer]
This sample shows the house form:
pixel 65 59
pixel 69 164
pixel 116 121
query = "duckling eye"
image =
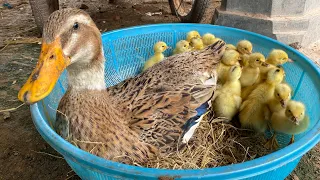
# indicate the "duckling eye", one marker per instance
pixel 279 95
pixel 163 46
pixel 278 70
pixel 289 111
pixel 75 26
pixel 245 49
pixel 185 46
pixel 257 60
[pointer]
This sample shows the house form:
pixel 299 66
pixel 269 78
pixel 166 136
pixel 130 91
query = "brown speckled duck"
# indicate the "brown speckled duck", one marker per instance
pixel 138 118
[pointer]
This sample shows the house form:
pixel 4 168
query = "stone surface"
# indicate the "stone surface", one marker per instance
pixel 249 6
pixel 288 21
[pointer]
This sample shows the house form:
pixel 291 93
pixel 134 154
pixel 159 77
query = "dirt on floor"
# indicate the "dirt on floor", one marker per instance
pixel 23 153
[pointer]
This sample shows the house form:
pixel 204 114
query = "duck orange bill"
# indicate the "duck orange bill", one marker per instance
pixel 51 64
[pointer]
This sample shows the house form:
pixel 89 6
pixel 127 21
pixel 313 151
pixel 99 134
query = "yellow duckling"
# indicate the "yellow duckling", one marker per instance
pixel 192 34
pixel 276 57
pixel 197 44
pixel 291 120
pixel 254 111
pixel 229 58
pixel 228 100
pixel 244 60
pixel 230 47
pixel 244 47
pixel 158 56
pixel 282 95
pixel 208 39
pixel 250 73
pixel 182 46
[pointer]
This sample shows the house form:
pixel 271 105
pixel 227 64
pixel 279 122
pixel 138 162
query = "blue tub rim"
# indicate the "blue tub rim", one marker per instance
pixel 252 168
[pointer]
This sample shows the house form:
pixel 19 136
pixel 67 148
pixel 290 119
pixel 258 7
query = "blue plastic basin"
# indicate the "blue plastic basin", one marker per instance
pixel 127 49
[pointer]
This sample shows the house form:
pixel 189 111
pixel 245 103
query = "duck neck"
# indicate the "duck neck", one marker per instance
pixel 87 77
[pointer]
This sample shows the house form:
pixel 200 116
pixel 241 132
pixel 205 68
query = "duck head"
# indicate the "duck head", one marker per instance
pixel 278 57
pixel 257 60
pixel 183 45
pixel 230 57
pixel 192 34
pixel 282 93
pixel 70 40
pixel 295 111
pixel 244 47
pixel 275 75
pixel 160 47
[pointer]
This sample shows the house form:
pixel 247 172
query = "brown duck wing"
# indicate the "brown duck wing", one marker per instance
pixel 161 118
pixel 166 100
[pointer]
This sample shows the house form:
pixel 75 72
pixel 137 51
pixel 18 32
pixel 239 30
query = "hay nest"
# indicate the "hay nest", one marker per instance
pixel 214 144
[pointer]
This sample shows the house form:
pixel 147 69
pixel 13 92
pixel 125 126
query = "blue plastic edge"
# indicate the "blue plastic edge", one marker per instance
pixel 242 170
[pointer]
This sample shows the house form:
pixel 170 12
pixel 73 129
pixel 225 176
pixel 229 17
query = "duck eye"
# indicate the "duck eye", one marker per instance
pixel 257 60
pixel 163 46
pixel 245 49
pixel 75 26
pixel 278 94
pixel 278 70
pixel 185 46
pixel 289 111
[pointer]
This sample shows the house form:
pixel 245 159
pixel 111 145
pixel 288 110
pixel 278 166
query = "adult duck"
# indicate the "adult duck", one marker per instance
pixel 153 112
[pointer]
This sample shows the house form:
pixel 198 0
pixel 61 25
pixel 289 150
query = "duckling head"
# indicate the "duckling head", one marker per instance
pixel 278 57
pixel 230 57
pixel 192 34
pixel 295 111
pixel 197 43
pixel 70 40
pixel 234 73
pixel 257 60
pixel 208 39
pixel 183 45
pixel 160 47
pixel 244 47
pixel 275 75
pixel 282 93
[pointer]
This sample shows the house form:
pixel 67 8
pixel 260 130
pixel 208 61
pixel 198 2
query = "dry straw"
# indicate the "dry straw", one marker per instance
pixel 214 144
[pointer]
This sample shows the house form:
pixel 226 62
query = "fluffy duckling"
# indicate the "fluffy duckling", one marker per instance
pixel 276 57
pixel 182 46
pixel 291 120
pixel 192 34
pixel 230 47
pixel 254 111
pixel 244 47
pixel 250 73
pixel 229 58
pixel 208 39
pixel 158 56
pixel 197 44
pixel 282 94
pixel 228 100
